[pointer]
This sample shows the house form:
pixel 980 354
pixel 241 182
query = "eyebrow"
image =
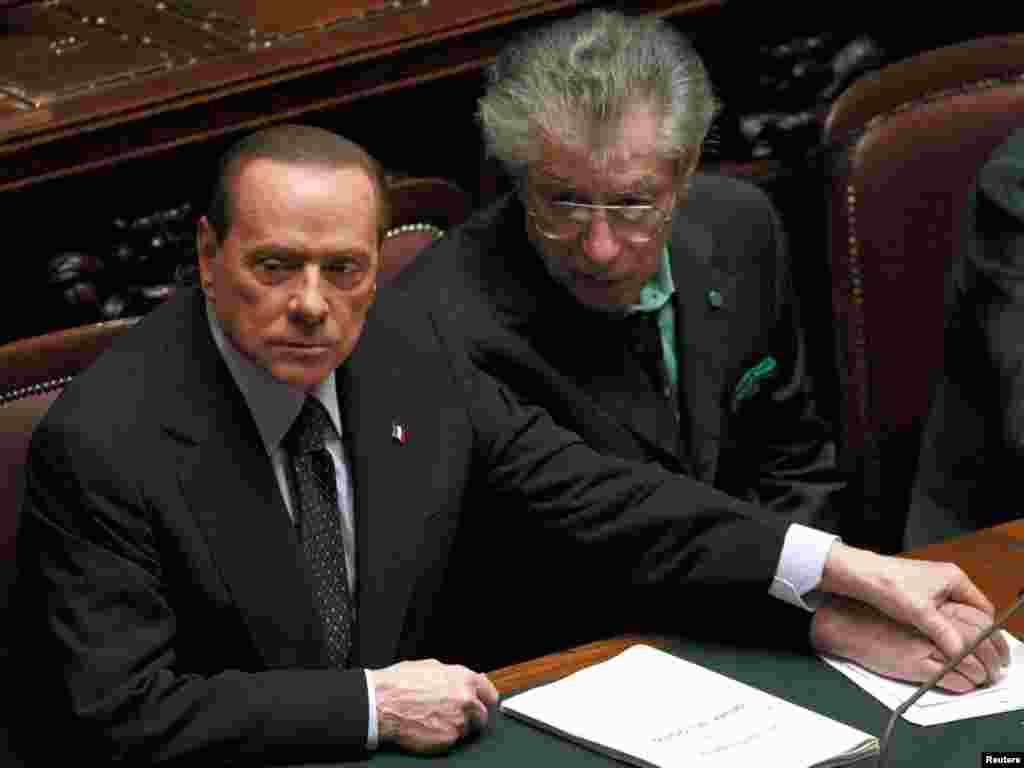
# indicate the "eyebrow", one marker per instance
pixel 285 252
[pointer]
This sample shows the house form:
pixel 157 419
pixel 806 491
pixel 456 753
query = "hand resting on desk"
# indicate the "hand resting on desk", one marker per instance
pixel 904 618
pixel 426 706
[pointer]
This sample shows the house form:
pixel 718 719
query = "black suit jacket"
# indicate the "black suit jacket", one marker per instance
pixel 163 599
pixel 763 443
pixel 973 441
pixel 734 308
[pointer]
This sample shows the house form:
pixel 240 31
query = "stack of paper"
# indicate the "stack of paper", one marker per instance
pixel 650 708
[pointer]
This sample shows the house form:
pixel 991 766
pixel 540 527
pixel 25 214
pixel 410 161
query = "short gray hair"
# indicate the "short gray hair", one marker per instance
pixel 576 79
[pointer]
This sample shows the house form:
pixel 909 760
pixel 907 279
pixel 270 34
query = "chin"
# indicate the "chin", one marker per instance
pixel 602 303
pixel 302 378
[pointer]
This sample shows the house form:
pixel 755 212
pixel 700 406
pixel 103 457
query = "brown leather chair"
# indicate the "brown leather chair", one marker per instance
pixel 32 373
pixel 422 209
pixel 903 145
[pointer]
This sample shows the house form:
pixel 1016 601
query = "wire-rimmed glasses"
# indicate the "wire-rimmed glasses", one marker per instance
pixel 562 220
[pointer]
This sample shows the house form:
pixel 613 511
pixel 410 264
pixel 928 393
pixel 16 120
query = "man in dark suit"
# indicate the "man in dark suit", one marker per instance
pixel 197 584
pixel 645 306
pixel 973 442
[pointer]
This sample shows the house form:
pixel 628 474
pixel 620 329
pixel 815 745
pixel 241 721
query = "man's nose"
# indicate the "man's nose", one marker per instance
pixel 600 245
pixel 309 302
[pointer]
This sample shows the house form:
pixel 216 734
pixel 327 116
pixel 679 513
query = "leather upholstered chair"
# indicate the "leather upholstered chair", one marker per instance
pixel 902 146
pixel 421 210
pixel 32 373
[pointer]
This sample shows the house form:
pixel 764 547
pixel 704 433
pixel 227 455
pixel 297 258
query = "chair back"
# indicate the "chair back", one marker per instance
pixel 422 209
pixel 32 373
pixel 903 145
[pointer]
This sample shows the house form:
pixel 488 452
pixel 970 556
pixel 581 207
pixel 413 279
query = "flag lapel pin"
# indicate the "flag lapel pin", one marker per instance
pixel 399 433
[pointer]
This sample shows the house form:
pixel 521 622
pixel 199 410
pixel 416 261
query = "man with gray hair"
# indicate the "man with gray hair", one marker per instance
pixel 238 523
pixel 646 306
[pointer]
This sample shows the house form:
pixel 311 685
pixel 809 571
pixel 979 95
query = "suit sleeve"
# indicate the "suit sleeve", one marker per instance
pixel 677 543
pixel 791 465
pixel 95 603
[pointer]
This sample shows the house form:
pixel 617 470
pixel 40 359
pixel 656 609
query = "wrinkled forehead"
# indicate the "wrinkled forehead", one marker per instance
pixel 627 157
pixel 618 149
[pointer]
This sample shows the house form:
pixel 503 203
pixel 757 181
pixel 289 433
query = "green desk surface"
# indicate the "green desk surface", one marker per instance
pixel 804 680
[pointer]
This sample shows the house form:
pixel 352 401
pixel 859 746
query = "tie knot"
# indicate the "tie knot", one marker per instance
pixel 310 429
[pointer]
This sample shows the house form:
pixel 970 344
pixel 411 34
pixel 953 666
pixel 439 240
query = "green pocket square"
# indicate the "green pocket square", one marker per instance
pixel 750 382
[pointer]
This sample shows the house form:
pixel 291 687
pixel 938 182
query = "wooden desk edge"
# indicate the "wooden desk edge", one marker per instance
pixel 546 669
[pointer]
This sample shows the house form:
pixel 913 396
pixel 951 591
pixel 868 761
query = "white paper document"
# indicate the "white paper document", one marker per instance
pixel 937 706
pixel 650 708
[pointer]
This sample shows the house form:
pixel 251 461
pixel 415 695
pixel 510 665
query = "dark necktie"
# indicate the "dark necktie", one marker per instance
pixel 319 523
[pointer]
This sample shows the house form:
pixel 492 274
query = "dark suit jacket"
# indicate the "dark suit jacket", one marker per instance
pixel 973 441
pixel 164 604
pixel 592 372
pixel 589 369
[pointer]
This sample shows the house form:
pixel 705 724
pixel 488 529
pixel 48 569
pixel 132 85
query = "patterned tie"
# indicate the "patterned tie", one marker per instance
pixel 320 525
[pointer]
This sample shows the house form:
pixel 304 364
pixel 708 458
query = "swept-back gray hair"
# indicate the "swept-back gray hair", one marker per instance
pixel 574 81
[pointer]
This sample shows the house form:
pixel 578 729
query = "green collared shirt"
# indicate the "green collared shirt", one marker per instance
pixel 655 297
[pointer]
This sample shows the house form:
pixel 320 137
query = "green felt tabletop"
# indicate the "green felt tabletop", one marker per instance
pixel 804 680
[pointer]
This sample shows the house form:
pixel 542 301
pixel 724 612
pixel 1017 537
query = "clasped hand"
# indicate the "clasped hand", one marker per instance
pixel 906 618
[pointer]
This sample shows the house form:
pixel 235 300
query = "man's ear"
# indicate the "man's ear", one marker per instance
pixel 207 246
pixel 688 164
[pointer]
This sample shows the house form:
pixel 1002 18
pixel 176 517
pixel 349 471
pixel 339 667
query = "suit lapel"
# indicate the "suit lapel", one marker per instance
pixel 704 302
pixel 229 485
pixel 377 393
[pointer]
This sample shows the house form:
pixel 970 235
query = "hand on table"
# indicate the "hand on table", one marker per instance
pixel 918 593
pixel 426 706
pixel 855 631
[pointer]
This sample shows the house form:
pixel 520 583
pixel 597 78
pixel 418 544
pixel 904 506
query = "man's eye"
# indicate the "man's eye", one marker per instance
pixel 634 213
pixel 634 202
pixel 271 265
pixel 569 199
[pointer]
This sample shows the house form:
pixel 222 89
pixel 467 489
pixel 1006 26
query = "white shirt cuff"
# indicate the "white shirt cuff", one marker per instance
pixel 804 552
pixel 371 729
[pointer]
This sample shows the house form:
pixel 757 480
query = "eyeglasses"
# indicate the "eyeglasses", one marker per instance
pixel 561 220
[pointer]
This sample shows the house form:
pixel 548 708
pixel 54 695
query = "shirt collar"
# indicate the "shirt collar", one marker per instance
pixel 658 290
pixel 274 405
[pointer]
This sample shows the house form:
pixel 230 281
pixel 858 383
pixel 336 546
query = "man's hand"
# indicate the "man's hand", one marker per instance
pixel 426 706
pixel 856 631
pixel 930 597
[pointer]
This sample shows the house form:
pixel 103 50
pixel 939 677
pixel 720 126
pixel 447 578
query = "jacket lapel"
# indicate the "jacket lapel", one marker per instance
pixel 704 302
pixel 229 485
pixel 384 448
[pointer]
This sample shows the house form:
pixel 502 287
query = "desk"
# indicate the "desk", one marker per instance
pixel 994 559
pixel 804 680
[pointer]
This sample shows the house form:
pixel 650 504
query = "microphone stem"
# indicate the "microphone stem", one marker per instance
pixel 951 665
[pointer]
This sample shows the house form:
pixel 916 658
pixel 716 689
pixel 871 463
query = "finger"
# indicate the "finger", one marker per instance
pixel 1002 647
pixel 964 590
pixel 943 632
pixel 485 690
pixel 953 681
pixel 476 716
pixel 994 652
pixel 975 670
pixel 989 654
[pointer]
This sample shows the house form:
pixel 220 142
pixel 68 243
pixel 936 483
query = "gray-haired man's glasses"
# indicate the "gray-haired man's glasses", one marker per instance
pixel 559 220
